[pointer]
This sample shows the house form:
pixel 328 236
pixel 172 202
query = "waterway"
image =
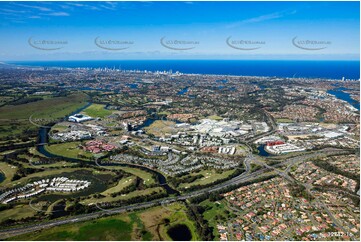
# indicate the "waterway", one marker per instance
pixel 149 121
pixel 133 85
pixel 183 91
pixel 43 139
pixel 262 151
pixel 2 177
pixel 340 94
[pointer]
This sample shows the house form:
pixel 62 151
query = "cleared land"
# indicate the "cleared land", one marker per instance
pixel 161 127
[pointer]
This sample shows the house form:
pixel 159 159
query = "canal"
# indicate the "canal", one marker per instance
pixel 340 94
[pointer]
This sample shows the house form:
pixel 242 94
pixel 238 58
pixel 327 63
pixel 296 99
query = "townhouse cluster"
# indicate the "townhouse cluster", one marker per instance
pixel 175 165
pixel 56 184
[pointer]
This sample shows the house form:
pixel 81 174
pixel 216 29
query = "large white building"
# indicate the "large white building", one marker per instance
pixel 78 118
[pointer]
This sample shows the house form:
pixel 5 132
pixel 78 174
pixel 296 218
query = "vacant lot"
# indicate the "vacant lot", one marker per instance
pixel 161 127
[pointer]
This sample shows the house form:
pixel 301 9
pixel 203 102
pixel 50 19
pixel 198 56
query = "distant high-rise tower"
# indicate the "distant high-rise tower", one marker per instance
pixel 343 78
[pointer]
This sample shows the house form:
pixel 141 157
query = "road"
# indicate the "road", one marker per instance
pixel 242 178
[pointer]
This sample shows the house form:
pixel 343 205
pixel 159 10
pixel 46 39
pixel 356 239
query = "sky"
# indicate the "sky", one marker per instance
pixel 179 30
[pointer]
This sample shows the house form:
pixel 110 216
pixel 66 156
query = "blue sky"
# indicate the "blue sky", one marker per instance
pixel 257 30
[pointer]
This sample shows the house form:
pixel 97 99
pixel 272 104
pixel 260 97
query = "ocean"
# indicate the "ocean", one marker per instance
pixel 272 68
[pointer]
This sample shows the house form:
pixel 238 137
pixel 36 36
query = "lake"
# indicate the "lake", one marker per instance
pixel 180 232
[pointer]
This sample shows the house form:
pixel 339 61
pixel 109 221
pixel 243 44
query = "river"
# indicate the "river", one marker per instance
pixel 43 139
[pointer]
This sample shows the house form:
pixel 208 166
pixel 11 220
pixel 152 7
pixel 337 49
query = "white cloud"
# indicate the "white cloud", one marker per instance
pixel 44 9
pixel 58 14
pixel 262 18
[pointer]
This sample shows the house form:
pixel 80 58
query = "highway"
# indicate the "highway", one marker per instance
pixel 238 180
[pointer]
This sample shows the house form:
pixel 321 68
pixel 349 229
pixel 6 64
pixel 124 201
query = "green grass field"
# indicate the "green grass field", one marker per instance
pixel 146 176
pixel 48 109
pixel 153 218
pixel 214 211
pixel 123 183
pixel 209 176
pixel 115 228
pixel 8 171
pixel 97 110
pixel 69 149
pixel 215 117
pixel 18 212
pixel 59 127
pixel 284 120
pixel 133 194
pixel 142 225
pixel 14 119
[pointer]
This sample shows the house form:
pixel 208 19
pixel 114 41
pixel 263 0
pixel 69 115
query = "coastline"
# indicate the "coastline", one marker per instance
pixel 299 69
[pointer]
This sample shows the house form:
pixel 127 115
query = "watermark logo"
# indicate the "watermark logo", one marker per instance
pixel 47 44
pixel 175 44
pixel 42 163
pixel 244 44
pixel 113 45
pixel 310 44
